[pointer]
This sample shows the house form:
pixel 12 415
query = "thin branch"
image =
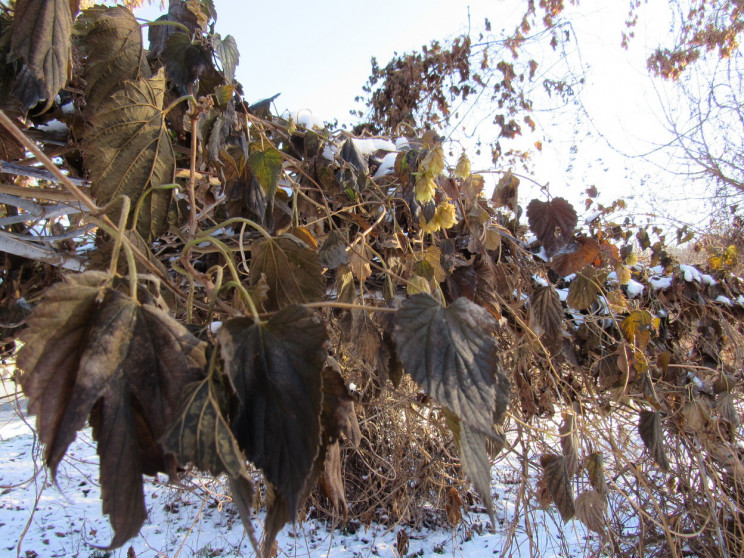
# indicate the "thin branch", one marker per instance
pixel 18 247
pixel 41 174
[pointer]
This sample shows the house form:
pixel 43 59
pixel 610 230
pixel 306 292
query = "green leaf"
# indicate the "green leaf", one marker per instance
pixel 474 458
pixel 291 269
pixel 93 353
pixel 202 436
pixel 128 150
pixel 266 166
pixel 227 52
pixel 275 369
pixel 41 36
pixel 451 353
pixel 113 47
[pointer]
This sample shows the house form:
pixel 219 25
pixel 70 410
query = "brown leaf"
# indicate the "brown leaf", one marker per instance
pixel 333 251
pixel 595 467
pixel 359 259
pixel 338 415
pixel 331 481
pixel 584 290
pixel 558 484
pixel 546 317
pixel 92 351
pixel 727 410
pixel 292 271
pixel 401 543
pixel 553 222
pixel 590 510
pixel 569 444
pixel 505 193
pixel 649 427
pixel 575 256
pixel 453 507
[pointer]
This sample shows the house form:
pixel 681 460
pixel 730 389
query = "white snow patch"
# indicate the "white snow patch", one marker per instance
pixel 387 166
pixel 634 288
pixel 562 294
pixel 368 146
pixel 540 281
pixel 54 125
pixel 660 283
pixel 307 119
pixel 725 300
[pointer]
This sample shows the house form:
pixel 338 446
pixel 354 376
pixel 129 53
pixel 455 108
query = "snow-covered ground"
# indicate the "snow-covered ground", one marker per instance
pixel 39 519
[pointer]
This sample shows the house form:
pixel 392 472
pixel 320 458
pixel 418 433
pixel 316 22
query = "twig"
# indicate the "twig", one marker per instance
pixel 14 245
pixel 33 172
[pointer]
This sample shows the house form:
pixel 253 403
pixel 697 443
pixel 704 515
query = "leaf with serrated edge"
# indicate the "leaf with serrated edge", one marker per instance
pixel 569 444
pixel 266 166
pixel 558 484
pixel 583 292
pixel 128 150
pixel 474 458
pixel 114 53
pixel 275 369
pixel 201 435
pixel 119 363
pixel 590 510
pixel 292 271
pixel 553 223
pixel 227 52
pixel 42 31
pixel 649 427
pixel 451 353
pixel 546 317
pixel 595 467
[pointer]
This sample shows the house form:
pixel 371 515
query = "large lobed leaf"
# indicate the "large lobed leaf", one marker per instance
pixel 41 36
pixel 553 222
pixel 276 371
pixel 128 150
pixel 113 46
pixel 291 269
pixel 452 354
pixel 92 351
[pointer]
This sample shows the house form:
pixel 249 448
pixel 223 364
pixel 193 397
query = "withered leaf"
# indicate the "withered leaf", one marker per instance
pixel 583 291
pixel 590 510
pixel 637 323
pixel 453 505
pixel 553 222
pixel 292 271
pixel 113 47
pixel 558 484
pixel 576 255
pixel 505 193
pixel 471 444
pixel 128 150
pixel 451 353
pixel 569 444
pixel 122 363
pixel 546 317
pixel 338 415
pixel 333 251
pixel 202 436
pixel 184 60
pixel 649 427
pixel 276 371
pixel 332 481
pixel 726 409
pixel 595 467
pixel 41 35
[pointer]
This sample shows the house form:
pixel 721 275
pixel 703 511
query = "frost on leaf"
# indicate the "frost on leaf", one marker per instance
pixel 451 353
pixel 292 271
pixel 90 351
pixel 276 372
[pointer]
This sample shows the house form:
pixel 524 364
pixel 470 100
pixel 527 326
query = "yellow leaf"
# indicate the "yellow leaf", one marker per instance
pixel 425 188
pixel 623 274
pixel 433 163
pixel 638 323
pixel 463 167
pixel 632 259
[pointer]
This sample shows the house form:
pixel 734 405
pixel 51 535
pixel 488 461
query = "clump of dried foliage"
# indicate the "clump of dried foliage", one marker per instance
pixel 384 338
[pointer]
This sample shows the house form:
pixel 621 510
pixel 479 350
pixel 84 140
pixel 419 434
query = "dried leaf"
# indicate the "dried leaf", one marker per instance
pixel 331 481
pixel 276 371
pixel 727 410
pixel 558 484
pixel 122 363
pixel 595 467
pixel 553 223
pixel 451 353
pixel 333 251
pixel 546 317
pixel 636 324
pixel 359 263
pixel 202 436
pixel 570 444
pixel 41 36
pixel 185 61
pixel 401 543
pixel 291 269
pixel 452 506
pixel 506 192
pixel 129 150
pixel 114 53
pixel 576 255
pixel 649 427
pixel 590 510
pixel 583 291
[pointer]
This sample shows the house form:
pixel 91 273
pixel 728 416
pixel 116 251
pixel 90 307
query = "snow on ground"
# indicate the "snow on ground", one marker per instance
pixel 38 519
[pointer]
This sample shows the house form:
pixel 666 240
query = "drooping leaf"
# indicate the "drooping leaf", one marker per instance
pixel 570 444
pixel 577 255
pixel 292 271
pixel 227 52
pixel 333 250
pixel 583 291
pixel 202 436
pixel 637 327
pixel 338 417
pixel 558 484
pixel 595 467
pixel 453 507
pixel 649 427
pixel 546 317
pixel 114 53
pixel 275 369
pixel 92 351
pixel 128 150
pixel 505 193
pixel 451 353
pixel 590 510
pixel 471 444
pixel 42 30
pixel 185 61
pixel 266 166
pixel 553 222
